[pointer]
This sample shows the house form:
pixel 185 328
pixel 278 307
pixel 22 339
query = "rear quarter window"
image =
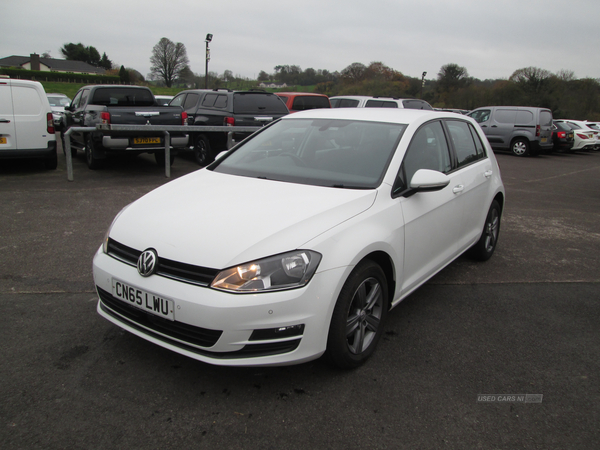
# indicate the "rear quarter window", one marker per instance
pixel 416 104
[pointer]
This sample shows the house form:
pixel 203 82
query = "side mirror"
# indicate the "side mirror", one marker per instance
pixel 69 107
pixel 425 180
pixel 220 155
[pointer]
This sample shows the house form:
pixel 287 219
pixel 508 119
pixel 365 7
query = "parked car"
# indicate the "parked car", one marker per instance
pixel 163 100
pixel 315 227
pixel 583 127
pixel 562 136
pixel 302 101
pixel 362 101
pixel 104 104
pixel 26 122
pixel 223 107
pixel 58 103
pixel 583 138
pixel 522 130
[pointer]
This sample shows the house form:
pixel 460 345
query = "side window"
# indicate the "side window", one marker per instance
pixel 178 101
pixel 427 150
pixel 221 101
pixel 190 101
pixel 462 140
pixel 478 143
pixel 209 100
pixel 524 117
pixel 84 97
pixel 348 103
pixel 482 115
pixel 76 100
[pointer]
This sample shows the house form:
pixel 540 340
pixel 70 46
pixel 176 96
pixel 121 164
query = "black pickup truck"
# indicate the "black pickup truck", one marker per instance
pixel 122 105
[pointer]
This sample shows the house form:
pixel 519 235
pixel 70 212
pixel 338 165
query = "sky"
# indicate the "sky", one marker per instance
pixel 491 39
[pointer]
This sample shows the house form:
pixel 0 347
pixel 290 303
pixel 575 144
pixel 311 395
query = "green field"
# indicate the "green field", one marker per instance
pixel 70 89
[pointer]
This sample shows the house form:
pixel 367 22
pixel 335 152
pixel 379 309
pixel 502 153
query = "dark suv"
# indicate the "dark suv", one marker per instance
pixel 222 107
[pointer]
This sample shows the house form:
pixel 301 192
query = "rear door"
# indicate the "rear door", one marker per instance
pixel 8 137
pixel 31 109
pixel 256 109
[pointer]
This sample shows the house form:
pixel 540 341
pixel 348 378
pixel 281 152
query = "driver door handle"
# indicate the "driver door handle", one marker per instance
pixel 458 189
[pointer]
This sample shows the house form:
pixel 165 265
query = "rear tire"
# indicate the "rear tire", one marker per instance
pixel 485 246
pixel 51 163
pixel 93 163
pixel 358 317
pixel 202 151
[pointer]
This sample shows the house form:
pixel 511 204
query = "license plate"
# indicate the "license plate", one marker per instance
pixel 146 140
pixel 3 140
pixel 544 140
pixel 141 299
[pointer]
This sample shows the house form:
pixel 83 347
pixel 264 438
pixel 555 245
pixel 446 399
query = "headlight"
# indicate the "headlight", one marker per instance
pixel 286 271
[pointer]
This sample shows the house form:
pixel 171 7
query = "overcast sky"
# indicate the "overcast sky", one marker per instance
pixel 491 39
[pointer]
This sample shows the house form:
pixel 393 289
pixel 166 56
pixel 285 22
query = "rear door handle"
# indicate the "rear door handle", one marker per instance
pixel 4 121
pixel 458 189
pixel 487 173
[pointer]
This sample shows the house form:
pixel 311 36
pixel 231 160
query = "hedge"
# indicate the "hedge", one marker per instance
pixel 38 75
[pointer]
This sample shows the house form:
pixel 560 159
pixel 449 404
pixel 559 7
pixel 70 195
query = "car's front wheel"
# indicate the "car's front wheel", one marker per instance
pixel 520 147
pixel 358 317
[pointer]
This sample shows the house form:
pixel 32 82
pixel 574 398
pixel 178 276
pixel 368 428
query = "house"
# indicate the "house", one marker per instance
pixel 272 85
pixel 34 62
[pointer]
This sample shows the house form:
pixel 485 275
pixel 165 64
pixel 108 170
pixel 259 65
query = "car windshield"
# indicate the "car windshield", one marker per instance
pixel 320 152
pixel 59 101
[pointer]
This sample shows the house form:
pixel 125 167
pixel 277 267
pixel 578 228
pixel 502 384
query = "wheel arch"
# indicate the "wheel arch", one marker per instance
pixel 384 261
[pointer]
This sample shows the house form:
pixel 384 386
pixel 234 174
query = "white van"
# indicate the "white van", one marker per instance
pixel 26 125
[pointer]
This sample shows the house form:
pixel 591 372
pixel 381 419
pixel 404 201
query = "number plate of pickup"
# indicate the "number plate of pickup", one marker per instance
pixel 146 140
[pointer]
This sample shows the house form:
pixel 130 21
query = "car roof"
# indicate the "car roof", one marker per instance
pixel 304 94
pixel 389 115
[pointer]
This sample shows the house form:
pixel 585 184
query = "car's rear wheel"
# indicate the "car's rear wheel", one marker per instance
pixel 485 246
pixel 51 163
pixel 520 147
pixel 202 152
pixel 92 161
pixel 358 317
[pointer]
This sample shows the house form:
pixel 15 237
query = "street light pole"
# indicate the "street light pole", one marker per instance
pixel 423 83
pixel 208 39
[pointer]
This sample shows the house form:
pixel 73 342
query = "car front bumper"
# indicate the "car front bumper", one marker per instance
pixel 276 328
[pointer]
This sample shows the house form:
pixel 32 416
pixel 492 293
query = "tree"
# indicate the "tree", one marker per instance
pixel 168 60
pixel 354 72
pixel 124 75
pixel 79 52
pixel 452 77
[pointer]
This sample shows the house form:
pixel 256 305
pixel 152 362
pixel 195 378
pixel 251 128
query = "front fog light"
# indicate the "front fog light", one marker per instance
pixel 286 271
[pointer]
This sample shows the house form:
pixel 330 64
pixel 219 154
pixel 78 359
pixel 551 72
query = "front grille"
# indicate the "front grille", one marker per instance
pixel 186 273
pixel 186 336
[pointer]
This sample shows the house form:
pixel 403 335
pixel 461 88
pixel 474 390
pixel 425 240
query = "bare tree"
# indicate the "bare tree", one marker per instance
pixel 168 60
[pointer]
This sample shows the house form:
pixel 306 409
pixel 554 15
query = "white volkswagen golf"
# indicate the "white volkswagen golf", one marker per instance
pixel 297 242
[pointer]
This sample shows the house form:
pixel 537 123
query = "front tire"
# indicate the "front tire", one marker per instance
pixel 358 317
pixel 485 246
pixel 520 147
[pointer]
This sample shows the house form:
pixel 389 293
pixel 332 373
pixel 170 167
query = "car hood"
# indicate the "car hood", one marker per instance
pixel 217 220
